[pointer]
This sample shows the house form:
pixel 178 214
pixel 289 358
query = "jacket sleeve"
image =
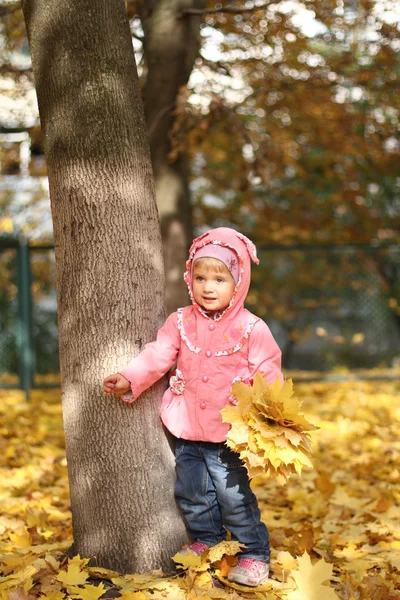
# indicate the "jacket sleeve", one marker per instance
pixel 264 353
pixel 154 361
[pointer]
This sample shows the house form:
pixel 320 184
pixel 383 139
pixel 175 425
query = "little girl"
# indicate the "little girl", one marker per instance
pixel 215 342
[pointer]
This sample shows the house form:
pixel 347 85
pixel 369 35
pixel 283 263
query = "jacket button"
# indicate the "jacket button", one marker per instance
pixel 204 378
pixel 202 405
pixel 211 327
pixel 208 353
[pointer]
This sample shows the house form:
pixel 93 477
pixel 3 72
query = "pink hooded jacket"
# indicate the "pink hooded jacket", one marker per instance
pixel 210 353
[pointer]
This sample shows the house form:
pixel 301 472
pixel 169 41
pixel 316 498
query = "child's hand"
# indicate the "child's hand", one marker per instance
pixel 116 384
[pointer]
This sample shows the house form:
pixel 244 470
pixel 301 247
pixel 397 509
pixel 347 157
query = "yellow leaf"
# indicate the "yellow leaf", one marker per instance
pixel 256 460
pixel 239 434
pixel 219 550
pixel 190 561
pixel 231 414
pixel 260 385
pixel 21 538
pixel 16 563
pixel 265 443
pixel 294 437
pixel 89 592
pixel 73 575
pixel 268 429
pixel 102 573
pixel 52 562
pixel 132 596
pixel 286 560
pixel 55 595
pixel 77 560
pixel 19 579
pixel 309 579
pixel 202 580
pixel 36 518
pixel 243 393
pixel 252 443
pixel 136 582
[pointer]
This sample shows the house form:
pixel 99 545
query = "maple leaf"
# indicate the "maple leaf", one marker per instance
pixel 77 560
pixel 309 579
pixel 286 560
pixel 88 592
pixel 73 575
pixel 244 396
pixel 227 563
pixel 21 579
pixel 137 582
pixel 231 414
pixel 21 538
pixel 190 561
pixel 200 582
pixel 49 563
pixel 101 573
pixel 268 430
pixel 333 511
pixel 229 548
pixel 239 435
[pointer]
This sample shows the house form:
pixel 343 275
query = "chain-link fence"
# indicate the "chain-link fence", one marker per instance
pixel 331 307
pixel 328 307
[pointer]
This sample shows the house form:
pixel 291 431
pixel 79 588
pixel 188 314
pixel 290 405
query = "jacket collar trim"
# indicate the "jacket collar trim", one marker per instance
pixel 228 351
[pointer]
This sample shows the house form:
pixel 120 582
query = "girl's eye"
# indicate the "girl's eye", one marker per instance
pixel 220 280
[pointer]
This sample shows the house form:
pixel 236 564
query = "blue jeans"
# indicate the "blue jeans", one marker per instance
pixel 213 492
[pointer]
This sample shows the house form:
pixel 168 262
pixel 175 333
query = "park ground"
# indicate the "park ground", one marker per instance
pixel 334 531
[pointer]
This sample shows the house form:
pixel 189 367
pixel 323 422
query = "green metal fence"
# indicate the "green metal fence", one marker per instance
pixel 28 315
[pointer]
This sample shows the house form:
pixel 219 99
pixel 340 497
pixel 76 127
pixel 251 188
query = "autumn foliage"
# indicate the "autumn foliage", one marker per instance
pixel 334 529
pixel 268 430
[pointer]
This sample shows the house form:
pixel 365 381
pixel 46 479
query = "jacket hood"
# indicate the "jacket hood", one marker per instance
pixel 245 251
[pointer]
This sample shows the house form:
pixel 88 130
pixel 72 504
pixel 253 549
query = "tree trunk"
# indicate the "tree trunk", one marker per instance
pixel 171 46
pixel 109 279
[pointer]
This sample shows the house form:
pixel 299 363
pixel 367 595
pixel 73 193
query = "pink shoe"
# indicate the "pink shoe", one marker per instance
pixel 249 571
pixel 197 548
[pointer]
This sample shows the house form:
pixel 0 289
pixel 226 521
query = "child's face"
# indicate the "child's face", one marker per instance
pixel 212 289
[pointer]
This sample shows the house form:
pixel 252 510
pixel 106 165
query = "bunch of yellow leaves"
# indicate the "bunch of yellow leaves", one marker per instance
pixel 268 429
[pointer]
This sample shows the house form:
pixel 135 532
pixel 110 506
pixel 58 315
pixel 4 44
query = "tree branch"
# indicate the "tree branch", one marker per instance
pixel 152 126
pixel 140 38
pixel 227 9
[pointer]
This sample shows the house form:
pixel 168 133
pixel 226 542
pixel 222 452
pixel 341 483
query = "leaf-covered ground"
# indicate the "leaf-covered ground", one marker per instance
pixel 334 532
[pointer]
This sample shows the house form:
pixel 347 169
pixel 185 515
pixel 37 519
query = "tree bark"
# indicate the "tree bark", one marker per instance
pixel 171 46
pixel 110 280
